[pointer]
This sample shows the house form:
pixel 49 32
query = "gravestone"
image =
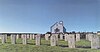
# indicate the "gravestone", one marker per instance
pixel 3 38
pixel 86 36
pixel 47 36
pixel 95 42
pixel 61 36
pixel 0 36
pixel 31 36
pixel 24 38
pixel 77 37
pixel 28 36
pixel 13 38
pixel 53 40
pixel 38 39
pixel 56 38
pixel 71 41
pixel 17 36
pixel 90 37
pixel 6 36
pixel 66 37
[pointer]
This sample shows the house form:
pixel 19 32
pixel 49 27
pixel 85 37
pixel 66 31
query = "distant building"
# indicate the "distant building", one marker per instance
pixel 58 27
pixel 98 32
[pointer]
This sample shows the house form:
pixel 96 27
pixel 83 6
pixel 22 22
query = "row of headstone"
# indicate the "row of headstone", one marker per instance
pixel 37 38
pixel 23 36
pixel 63 36
pixel 28 36
pixel 54 39
pixel 70 39
pixel 95 40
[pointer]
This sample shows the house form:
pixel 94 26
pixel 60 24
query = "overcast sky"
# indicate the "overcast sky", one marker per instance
pixel 39 15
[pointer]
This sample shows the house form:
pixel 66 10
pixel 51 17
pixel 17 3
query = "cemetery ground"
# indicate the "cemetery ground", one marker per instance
pixel 81 46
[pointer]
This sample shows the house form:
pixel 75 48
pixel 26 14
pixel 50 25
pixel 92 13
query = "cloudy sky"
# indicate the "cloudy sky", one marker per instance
pixel 39 15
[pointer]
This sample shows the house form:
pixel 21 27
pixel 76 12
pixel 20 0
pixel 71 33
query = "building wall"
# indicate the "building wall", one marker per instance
pixel 58 25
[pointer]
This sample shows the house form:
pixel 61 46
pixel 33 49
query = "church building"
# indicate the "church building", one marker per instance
pixel 58 27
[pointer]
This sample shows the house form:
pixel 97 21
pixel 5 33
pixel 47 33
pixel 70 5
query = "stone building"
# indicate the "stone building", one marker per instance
pixel 58 27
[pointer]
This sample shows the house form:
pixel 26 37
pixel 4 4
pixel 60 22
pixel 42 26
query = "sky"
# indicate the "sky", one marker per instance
pixel 39 15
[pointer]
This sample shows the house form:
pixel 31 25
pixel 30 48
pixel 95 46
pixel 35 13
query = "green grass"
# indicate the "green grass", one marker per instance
pixel 44 47
pixel 83 43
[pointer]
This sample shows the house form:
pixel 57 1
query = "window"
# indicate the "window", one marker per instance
pixel 57 30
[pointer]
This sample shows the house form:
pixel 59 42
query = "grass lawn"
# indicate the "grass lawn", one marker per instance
pixel 82 46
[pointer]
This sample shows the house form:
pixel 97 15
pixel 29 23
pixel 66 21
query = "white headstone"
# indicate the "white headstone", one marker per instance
pixel 86 36
pixel 66 37
pixel 6 36
pixel 61 36
pixel 28 36
pixel 95 42
pixel 31 36
pixel 77 37
pixel 38 39
pixel 13 38
pixel 71 41
pixel 53 40
pixel 24 38
pixel 3 38
pixel 56 38
pixel 0 36
pixel 90 37
pixel 17 36
pixel 47 36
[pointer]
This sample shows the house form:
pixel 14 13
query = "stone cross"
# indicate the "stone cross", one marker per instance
pixel 53 40
pixel 71 40
pixel 24 38
pixel 38 39
pixel 61 36
pixel 13 38
pixel 77 37
pixel 66 37
pixel 95 42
